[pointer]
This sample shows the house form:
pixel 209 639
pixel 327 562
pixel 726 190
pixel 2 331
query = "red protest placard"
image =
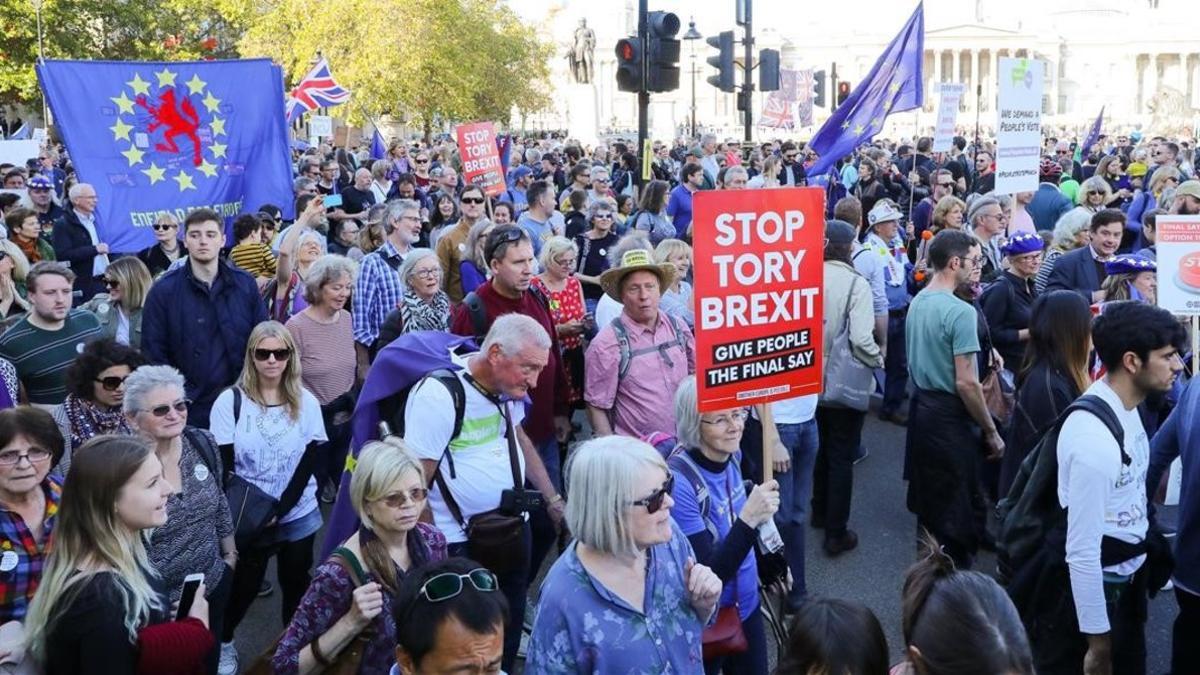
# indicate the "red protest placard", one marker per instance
pixel 759 267
pixel 480 158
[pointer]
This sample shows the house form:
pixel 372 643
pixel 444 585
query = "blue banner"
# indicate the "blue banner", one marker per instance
pixel 171 137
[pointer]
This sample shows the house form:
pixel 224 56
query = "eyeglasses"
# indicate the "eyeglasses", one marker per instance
pixel 1063 152
pixel 1095 192
pixel 731 420
pixel 568 262
pixel 3 255
pixel 472 200
pixel 163 227
pixel 14 457
pixel 655 501
pixel 975 262
pixel 400 499
pixel 111 383
pixel 279 354
pixel 1170 179
pixel 422 161
pixel 427 274
pixel 162 410
pixel 600 180
pixel 603 216
pixel 442 587
pixel 112 283
pixel 945 185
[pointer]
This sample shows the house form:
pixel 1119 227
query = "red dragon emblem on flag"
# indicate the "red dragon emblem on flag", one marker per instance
pixel 177 119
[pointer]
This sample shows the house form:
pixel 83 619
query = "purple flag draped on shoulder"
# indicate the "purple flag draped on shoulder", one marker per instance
pixel 893 85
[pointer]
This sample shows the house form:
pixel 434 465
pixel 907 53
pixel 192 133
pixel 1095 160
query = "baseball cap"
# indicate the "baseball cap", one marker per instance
pixel 695 151
pixel 1188 188
pixel 521 172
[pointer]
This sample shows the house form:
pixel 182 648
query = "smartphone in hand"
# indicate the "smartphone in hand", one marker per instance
pixel 332 201
pixel 191 583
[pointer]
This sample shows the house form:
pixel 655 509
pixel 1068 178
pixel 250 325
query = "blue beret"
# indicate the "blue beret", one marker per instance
pixel 1023 243
pixel 1129 264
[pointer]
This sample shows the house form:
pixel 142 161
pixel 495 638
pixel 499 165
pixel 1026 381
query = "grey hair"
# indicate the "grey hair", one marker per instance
pixel 1095 183
pixel 395 209
pixel 305 236
pixel 554 247
pixel 1069 225
pixel 734 170
pixel 146 379
pixel 597 171
pixel 379 168
pixel 598 205
pixel 474 235
pixel 73 193
pixel 514 332
pixel 977 206
pixel 324 271
pixel 687 414
pixel 414 256
pixel 708 138
pixel 602 476
pixel 303 184
pixel 633 241
pixel 533 155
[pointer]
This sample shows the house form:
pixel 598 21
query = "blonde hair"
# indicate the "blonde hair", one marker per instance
pixel 554 247
pixel 944 206
pixel 20 262
pixel 135 281
pixel 289 385
pixel 90 539
pixel 669 247
pixel 602 477
pixel 1094 183
pixel 381 464
pixel 1161 174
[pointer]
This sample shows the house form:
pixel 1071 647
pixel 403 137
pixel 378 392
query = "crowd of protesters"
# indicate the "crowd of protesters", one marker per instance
pixel 188 408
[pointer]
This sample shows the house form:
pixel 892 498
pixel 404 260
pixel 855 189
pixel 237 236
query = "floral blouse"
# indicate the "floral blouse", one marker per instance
pixel 329 597
pixel 582 627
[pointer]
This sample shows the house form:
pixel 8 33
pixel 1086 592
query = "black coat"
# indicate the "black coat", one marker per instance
pixel 1042 394
pixel 1075 271
pixel 1006 304
pixel 73 245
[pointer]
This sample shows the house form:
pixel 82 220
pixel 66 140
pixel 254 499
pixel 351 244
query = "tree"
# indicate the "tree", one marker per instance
pixel 438 60
pixel 112 29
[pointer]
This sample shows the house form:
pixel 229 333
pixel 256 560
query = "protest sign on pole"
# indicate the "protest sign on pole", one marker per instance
pixel 18 152
pixel 758 275
pixel 1177 241
pixel 949 97
pixel 1019 127
pixel 480 157
pixel 320 125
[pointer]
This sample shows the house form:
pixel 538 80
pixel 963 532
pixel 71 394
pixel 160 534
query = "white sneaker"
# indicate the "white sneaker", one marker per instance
pixel 229 659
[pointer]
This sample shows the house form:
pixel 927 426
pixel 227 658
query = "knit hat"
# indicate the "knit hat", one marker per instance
pixel 839 232
pixel 39 182
pixel 1129 264
pixel 1020 244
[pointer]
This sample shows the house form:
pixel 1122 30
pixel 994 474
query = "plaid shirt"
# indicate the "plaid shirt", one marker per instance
pixel 376 292
pixel 21 559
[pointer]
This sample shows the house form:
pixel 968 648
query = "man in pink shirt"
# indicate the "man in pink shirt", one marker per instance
pixel 635 364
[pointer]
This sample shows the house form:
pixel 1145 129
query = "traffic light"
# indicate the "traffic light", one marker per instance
pixel 819 88
pixel 843 92
pixel 723 61
pixel 662 52
pixel 629 64
pixel 768 70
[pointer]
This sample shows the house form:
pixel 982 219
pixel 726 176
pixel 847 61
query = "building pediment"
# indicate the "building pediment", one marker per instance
pixel 969 31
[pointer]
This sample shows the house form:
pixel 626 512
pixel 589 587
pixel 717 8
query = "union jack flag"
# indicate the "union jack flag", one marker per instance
pixel 318 89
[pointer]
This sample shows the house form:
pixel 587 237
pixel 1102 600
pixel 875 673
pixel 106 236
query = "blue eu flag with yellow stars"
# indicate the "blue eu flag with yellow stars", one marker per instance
pixel 893 85
pixel 156 138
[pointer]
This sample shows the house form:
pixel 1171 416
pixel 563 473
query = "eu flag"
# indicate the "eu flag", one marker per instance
pixel 893 85
pixel 164 137
pixel 378 147
pixel 1092 137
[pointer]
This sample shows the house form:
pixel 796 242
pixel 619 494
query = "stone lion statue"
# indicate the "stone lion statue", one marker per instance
pixel 1171 115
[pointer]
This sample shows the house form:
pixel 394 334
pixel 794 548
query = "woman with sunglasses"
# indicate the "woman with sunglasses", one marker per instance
pixel 1164 178
pixel 559 284
pixel 629 564
pixel 198 536
pixel 270 426
pixel 95 383
pixel 595 247
pixel 424 305
pixel 166 249
pixel 388 494
pixel 723 531
pixel 120 308
pixel 14 267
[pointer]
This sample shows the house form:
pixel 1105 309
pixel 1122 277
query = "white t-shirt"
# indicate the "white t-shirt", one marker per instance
pixel 607 310
pixel 268 444
pixel 1103 497
pixel 481 465
pixel 795 410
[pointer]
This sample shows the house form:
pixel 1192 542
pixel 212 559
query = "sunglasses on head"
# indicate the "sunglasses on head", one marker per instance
pixel 279 354
pixel 442 587
pixel 399 499
pixel 111 383
pixel 655 501
pixel 162 227
pixel 499 237
pixel 162 410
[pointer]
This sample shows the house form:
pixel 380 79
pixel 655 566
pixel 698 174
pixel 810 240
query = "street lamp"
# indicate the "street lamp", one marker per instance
pixel 691 36
pixel 37 9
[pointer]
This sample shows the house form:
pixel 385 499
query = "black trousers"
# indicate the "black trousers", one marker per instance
pixel 839 431
pixel 1059 647
pixel 1185 648
pixel 293 560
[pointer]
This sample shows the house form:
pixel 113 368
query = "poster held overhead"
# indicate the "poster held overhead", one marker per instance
pixel 480 158
pixel 759 269
pixel 1019 127
pixel 949 96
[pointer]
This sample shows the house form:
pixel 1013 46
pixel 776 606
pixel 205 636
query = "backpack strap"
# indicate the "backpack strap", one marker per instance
pixel 478 315
pixel 622 336
pixel 207 450
pixel 1101 409
pixel 458 397
pixel 628 353
pixel 349 562
pixel 681 462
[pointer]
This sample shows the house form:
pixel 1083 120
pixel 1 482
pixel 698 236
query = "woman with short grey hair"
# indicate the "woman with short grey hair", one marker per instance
pixel 324 338
pixel 198 536
pixel 1070 232
pixel 628 564
pixel 424 305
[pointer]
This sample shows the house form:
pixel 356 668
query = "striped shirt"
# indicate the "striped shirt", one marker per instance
pixel 377 292
pixel 326 350
pixel 42 356
pixel 256 259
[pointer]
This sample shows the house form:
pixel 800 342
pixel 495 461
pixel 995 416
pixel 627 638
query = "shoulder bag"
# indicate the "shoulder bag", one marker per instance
pixel 848 382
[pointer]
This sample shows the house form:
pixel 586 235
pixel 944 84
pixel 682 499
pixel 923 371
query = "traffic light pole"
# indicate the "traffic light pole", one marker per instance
pixel 747 81
pixel 643 94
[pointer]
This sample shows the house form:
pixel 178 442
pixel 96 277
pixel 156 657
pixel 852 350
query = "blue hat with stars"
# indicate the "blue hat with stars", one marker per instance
pixel 40 182
pixel 1129 264
pixel 1020 244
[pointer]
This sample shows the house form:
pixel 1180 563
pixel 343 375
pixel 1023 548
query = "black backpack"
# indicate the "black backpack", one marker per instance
pixel 1031 509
